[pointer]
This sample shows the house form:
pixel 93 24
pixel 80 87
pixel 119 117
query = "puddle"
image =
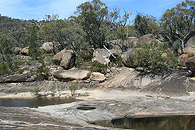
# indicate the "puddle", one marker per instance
pixel 34 102
pixel 186 122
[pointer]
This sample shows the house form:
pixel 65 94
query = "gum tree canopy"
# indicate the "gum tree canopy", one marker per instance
pixel 178 23
pixel 91 17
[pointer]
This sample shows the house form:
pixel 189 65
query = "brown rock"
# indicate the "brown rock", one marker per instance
pixel 24 51
pixel 129 58
pixel 58 57
pixel 65 58
pixel 96 76
pixel 190 63
pixel 190 46
pixel 48 46
pixel 182 59
pixel 72 74
pixel 15 78
pixel 146 38
pixel 68 59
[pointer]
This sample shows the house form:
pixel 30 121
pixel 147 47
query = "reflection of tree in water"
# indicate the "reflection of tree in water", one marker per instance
pixel 191 125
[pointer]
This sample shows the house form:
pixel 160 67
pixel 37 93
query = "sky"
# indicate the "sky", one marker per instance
pixel 36 9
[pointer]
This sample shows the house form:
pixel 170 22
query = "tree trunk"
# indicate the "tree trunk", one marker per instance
pixel 182 46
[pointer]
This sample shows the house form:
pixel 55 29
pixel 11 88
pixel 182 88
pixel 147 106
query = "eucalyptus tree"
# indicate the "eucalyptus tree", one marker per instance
pixel 118 27
pixel 91 17
pixel 145 24
pixel 6 43
pixel 178 23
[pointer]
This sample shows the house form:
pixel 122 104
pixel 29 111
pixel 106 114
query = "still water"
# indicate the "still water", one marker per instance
pixel 34 102
pixel 185 122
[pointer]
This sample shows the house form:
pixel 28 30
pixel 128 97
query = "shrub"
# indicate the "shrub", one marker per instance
pixel 4 68
pixel 42 73
pixel 98 67
pixel 35 91
pixel 21 71
pixel 155 56
pixel 190 55
pixel 119 61
pixel 73 89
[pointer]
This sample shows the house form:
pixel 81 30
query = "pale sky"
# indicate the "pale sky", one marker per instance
pixel 36 9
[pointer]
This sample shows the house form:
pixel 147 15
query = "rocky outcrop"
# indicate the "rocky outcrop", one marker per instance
pixel 68 59
pixel 175 84
pixel 96 76
pixel 48 47
pixel 146 38
pixel 24 51
pixel 129 78
pixel 190 46
pixel 130 42
pixel 17 50
pixel 65 58
pixel 58 57
pixel 129 58
pixel 102 55
pixel 72 74
pixel 17 78
pixel 190 63
pixel 182 59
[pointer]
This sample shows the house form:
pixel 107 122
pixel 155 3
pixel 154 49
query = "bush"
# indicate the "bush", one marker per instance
pixel 190 55
pixel 21 71
pixel 73 89
pixel 98 67
pixel 42 73
pixel 4 68
pixel 155 56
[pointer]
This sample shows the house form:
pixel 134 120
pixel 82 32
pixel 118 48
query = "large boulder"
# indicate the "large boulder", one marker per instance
pixel 68 59
pixel 72 74
pixel 129 57
pixel 16 78
pixel 103 56
pixel 146 38
pixel 182 59
pixel 190 46
pixel 190 63
pixel 48 47
pixel 65 58
pixel 58 57
pixel 24 51
pixel 17 50
pixel 97 76
pixel 130 42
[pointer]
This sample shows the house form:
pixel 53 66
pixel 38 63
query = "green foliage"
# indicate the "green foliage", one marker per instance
pixel 73 89
pixel 21 71
pixel 4 68
pixel 98 67
pixel 35 91
pixel 6 43
pixel 118 27
pixel 155 56
pixel 119 61
pixel 33 45
pixel 145 24
pixel 190 55
pixel 178 23
pixel 42 73
pixel 91 16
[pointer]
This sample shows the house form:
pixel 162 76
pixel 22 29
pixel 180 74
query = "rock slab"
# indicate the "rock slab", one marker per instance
pixel 72 74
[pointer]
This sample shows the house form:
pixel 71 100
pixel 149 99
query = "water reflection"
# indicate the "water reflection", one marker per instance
pixel 152 123
pixel 34 102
